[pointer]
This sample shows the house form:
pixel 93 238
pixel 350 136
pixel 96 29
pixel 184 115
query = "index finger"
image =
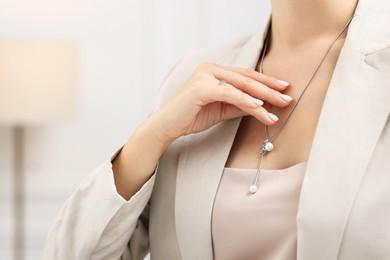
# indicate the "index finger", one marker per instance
pixel 271 82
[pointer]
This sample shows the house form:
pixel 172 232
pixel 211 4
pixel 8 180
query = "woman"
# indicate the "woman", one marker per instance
pixel 328 196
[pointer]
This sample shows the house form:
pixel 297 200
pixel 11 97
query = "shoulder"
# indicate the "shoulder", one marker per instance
pixel 222 54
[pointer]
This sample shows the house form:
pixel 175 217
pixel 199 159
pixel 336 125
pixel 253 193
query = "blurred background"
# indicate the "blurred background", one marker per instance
pixel 107 61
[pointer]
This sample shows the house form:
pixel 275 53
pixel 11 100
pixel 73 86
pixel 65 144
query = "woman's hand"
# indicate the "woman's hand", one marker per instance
pixel 203 102
pixel 199 104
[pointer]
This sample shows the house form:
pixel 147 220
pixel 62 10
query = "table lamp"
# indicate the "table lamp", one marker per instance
pixel 38 84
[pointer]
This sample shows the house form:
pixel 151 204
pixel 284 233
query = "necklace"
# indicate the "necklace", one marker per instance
pixel 267 145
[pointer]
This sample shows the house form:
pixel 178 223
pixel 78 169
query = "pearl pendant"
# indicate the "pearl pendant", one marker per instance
pixel 253 189
pixel 268 146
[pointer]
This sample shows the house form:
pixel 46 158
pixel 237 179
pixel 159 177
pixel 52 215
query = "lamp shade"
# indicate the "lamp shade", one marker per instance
pixel 38 81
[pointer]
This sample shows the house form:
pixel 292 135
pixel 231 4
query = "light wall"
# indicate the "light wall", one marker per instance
pixel 126 48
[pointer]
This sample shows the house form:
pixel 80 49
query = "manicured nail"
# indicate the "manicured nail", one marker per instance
pixel 283 83
pixel 285 97
pixel 257 102
pixel 273 117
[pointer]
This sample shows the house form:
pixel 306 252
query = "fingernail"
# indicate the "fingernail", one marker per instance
pixel 283 83
pixel 257 102
pixel 273 117
pixel 285 97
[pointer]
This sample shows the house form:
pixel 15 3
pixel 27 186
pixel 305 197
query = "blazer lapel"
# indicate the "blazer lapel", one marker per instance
pixel 355 111
pixel 201 164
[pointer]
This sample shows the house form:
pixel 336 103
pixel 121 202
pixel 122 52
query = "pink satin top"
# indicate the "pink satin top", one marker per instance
pixel 257 226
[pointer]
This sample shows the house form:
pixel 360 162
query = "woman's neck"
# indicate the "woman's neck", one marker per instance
pixel 297 23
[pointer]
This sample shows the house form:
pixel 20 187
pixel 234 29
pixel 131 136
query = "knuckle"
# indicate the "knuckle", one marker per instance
pixel 269 92
pixel 202 76
pixel 205 66
pixel 241 99
pixel 247 81
pixel 276 95
pixel 199 78
pixel 265 77
pixel 250 72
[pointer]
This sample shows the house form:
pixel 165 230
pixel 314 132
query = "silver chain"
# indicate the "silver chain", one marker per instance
pixel 267 140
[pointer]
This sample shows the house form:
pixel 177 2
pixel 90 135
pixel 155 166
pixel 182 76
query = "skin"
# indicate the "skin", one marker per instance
pixel 300 33
pixel 294 52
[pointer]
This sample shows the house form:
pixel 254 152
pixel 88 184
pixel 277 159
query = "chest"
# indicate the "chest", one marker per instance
pixel 295 133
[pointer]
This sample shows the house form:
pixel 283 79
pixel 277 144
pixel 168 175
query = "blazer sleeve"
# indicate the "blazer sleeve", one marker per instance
pixel 97 223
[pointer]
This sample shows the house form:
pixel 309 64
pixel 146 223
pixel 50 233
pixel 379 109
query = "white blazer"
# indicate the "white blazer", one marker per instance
pixel 344 209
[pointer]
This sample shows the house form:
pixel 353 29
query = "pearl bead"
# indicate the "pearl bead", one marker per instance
pixel 268 146
pixel 253 189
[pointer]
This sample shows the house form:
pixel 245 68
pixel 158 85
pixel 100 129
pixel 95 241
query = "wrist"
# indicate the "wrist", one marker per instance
pixel 157 130
pixel 152 133
pixel 144 147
